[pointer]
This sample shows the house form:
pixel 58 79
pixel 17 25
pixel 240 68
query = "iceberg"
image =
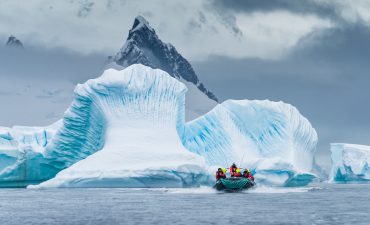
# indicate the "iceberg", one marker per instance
pixel 272 138
pixel 350 163
pixel 127 129
pixel 133 117
pixel 21 155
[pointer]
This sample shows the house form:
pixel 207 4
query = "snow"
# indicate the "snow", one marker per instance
pixel 139 23
pixel 350 163
pixel 127 129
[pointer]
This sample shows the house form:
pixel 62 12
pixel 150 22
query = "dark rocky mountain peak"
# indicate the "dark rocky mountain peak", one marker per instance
pixel 14 42
pixel 144 46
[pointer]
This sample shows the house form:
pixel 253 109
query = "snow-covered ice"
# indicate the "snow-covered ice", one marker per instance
pixel 350 163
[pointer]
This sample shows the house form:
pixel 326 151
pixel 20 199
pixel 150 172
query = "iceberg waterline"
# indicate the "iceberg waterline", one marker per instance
pixel 127 129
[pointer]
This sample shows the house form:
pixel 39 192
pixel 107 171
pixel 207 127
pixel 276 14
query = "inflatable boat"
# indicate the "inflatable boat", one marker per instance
pixel 234 184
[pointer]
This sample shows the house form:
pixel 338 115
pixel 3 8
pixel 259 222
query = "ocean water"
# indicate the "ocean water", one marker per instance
pixel 323 204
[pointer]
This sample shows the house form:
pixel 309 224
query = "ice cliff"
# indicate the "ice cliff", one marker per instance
pixel 127 129
pixel 350 163
pixel 133 116
pixel 272 138
pixel 22 158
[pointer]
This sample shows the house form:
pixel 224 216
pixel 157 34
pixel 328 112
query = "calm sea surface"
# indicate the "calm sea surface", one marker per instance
pixel 324 204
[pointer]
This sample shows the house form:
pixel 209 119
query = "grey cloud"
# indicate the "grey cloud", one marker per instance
pixel 37 62
pixel 85 8
pixel 322 9
pixel 38 83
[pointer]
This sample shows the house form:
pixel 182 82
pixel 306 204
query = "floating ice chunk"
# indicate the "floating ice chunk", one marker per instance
pixel 350 163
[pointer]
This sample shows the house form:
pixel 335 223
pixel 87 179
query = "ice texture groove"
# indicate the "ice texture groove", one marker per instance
pixel 270 137
pixel 141 111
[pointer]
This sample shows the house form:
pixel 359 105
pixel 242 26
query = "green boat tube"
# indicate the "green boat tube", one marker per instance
pixel 234 184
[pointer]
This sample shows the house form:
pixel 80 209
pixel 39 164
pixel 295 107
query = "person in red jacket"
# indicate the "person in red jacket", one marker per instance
pixel 220 174
pixel 248 174
pixel 234 171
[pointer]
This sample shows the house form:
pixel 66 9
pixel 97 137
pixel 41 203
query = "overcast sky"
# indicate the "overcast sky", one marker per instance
pixel 314 54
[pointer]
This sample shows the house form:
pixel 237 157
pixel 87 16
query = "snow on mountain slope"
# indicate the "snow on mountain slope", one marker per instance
pixel 272 138
pixel 133 116
pixel 350 163
pixel 144 46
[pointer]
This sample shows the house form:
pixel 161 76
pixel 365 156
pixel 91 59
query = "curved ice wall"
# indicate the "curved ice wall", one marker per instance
pixel 136 116
pixel 272 138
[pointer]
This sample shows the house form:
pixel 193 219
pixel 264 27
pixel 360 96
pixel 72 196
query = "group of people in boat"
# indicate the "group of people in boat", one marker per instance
pixel 234 172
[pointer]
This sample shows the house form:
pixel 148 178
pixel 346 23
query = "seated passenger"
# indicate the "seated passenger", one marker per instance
pixel 233 168
pixel 235 171
pixel 248 174
pixel 220 174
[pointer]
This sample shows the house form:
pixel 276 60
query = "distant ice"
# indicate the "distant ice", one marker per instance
pixel 350 163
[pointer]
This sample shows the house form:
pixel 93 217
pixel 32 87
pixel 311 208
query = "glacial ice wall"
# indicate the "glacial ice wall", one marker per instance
pixel 21 154
pixel 137 114
pixel 272 138
pixel 350 163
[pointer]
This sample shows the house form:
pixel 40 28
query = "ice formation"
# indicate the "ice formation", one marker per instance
pixel 350 163
pixel 133 116
pixel 272 138
pixel 21 155
pixel 127 129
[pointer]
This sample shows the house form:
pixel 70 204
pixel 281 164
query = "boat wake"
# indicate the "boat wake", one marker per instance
pixel 281 190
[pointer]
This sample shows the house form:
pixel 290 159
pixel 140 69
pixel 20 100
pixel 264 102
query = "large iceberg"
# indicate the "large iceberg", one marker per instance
pixel 272 138
pixel 127 129
pixel 133 117
pixel 350 163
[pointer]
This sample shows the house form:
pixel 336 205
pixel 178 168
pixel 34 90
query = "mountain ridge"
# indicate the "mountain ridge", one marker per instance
pixel 144 46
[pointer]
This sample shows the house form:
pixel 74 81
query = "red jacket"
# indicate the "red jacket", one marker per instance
pixel 233 172
pixel 249 176
pixel 220 175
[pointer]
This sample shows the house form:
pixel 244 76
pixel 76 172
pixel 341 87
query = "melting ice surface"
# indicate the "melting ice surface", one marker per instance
pixel 127 129
pixel 350 163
